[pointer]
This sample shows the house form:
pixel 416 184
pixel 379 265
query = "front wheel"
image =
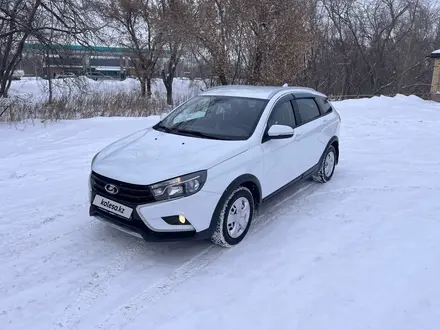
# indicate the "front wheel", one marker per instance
pixel 235 218
pixel 327 166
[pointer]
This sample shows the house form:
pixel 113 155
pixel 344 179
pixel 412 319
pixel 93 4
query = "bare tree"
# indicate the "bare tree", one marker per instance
pixel 372 46
pixel 213 27
pixel 134 23
pixel 280 40
pixel 15 27
pixel 255 42
pixel 39 19
pixel 173 18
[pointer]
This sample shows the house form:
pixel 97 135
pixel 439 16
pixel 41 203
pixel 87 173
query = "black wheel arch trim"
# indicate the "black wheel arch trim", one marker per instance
pixel 237 182
pixel 242 179
pixel 330 142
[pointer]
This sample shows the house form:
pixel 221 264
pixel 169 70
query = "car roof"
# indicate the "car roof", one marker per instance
pixel 258 92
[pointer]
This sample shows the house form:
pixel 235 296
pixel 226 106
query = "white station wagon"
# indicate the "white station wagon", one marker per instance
pixel 205 168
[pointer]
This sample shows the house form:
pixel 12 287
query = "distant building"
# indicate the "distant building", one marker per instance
pixel 80 60
pixel 116 62
pixel 435 84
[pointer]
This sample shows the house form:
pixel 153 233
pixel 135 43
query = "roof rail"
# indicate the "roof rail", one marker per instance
pixel 302 87
pixel 270 86
pixel 292 88
pixel 275 90
pixel 218 87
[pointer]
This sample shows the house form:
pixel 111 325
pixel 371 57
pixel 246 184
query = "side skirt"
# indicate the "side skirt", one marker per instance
pixel 306 175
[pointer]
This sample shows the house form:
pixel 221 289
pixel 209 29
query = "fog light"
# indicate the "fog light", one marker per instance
pixel 176 220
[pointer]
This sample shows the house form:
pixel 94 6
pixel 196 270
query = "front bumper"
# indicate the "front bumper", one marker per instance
pixel 137 228
pixel 146 221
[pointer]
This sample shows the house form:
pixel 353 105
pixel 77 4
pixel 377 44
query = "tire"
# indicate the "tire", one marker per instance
pixel 224 234
pixel 325 173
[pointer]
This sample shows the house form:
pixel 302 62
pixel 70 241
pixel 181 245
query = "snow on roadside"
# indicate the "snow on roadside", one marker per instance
pixel 361 252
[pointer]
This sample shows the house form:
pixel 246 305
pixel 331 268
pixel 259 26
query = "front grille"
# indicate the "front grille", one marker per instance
pixel 128 193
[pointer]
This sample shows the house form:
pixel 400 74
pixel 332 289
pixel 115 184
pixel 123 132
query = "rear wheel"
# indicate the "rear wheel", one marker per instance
pixel 235 218
pixel 327 166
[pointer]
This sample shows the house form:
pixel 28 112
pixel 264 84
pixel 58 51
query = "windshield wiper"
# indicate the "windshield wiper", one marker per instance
pixel 188 132
pixel 198 134
pixel 163 128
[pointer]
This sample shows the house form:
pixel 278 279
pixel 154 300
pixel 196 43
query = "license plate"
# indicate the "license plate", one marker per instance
pixel 112 206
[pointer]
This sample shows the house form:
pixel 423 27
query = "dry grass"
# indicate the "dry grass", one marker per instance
pixel 123 104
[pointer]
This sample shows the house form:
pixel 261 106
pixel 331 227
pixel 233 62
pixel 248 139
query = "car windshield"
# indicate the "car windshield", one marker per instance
pixel 215 117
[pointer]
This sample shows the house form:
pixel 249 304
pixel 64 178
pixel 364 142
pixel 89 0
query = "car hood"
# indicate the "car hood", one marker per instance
pixel 150 156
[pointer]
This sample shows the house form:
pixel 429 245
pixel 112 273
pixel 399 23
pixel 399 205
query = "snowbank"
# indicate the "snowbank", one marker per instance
pixel 384 102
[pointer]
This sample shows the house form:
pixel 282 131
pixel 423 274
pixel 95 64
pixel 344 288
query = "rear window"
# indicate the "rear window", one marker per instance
pixel 324 104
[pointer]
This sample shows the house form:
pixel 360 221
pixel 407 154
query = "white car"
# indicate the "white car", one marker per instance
pixel 204 169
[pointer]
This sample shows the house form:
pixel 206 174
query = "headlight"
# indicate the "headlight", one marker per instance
pixel 93 160
pixel 90 188
pixel 182 186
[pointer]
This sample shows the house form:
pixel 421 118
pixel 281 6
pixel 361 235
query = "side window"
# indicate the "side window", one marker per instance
pixel 308 109
pixel 282 114
pixel 324 105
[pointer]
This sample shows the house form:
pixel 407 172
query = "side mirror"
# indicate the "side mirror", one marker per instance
pixel 280 132
pixel 163 115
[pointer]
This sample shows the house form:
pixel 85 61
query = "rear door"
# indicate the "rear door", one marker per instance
pixel 311 124
pixel 330 119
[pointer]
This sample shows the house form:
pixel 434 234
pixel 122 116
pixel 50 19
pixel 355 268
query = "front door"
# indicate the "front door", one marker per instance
pixel 282 158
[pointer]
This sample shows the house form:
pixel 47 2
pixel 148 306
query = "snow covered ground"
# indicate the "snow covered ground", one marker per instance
pixel 36 89
pixel 361 252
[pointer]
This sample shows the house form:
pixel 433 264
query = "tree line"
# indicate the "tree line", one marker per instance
pixel 339 47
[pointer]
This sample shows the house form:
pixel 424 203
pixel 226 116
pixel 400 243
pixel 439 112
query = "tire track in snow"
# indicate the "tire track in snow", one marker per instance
pixel 372 189
pixel 261 223
pixel 98 286
pixel 127 312
pixel 21 244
